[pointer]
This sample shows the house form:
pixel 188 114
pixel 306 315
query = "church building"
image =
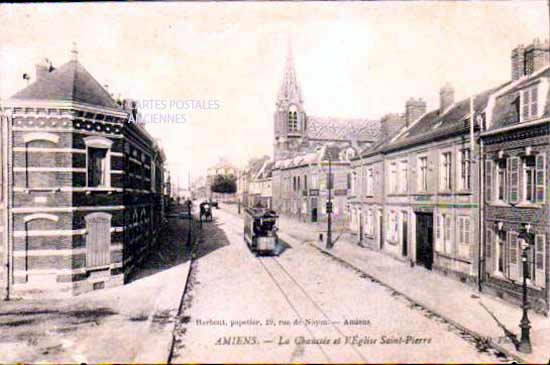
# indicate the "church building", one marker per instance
pixel 303 145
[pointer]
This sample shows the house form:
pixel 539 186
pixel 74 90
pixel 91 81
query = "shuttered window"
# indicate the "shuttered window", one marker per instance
pixel 447 232
pixel 489 261
pixel 513 173
pixel 98 239
pixel 540 178
pixel 540 272
pixel 513 255
pixel 488 181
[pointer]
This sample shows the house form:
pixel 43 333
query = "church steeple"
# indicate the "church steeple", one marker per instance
pixel 289 92
pixel 290 120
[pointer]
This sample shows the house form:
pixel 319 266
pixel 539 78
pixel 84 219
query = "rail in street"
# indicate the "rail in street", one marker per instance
pixel 305 304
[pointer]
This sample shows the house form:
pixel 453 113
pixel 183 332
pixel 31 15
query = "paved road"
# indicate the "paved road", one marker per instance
pixel 300 307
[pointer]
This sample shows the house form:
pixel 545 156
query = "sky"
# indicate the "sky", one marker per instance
pixel 206 75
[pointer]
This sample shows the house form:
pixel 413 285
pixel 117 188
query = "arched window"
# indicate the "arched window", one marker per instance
pixel 293 119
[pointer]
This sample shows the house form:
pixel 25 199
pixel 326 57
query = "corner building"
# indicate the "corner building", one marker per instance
pixel 82 188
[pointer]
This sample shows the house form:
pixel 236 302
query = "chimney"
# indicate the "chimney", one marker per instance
pixel 446 97
pixel 43 68
pixel 518 62
pixel 414 109
pixel 536 56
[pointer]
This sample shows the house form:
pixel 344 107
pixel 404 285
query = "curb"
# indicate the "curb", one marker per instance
pixel 185 289
pixel 475 334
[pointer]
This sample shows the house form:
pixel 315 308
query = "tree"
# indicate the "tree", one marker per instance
pixel 224 184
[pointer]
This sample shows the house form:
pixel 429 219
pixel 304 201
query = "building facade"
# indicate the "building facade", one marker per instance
pixel 299 138
pixel 516 147
pixel 82 187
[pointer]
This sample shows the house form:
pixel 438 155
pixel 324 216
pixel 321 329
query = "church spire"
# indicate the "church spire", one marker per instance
pixel 290 90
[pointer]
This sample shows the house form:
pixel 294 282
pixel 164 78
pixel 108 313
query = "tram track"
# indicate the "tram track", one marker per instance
pixel 481 343
pixel 317 307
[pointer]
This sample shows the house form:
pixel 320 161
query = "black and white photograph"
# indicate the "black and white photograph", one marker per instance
pixel 275 182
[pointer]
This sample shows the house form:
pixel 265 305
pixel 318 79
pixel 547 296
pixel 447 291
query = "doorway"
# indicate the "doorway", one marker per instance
pixel 424 239
pixel 314 210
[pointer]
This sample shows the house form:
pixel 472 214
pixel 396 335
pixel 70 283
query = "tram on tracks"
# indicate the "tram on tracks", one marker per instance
pixel 260 231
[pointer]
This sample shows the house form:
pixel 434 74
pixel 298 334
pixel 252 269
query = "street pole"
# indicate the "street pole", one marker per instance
pixel 525 342
pixel 329 205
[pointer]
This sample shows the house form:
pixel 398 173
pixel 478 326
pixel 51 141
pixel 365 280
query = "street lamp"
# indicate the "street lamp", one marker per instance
pixel 525 342
pixel 329 204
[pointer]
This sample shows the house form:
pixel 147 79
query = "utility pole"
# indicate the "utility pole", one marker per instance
pixel 329 204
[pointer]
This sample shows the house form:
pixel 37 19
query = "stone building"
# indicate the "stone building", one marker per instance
pixel 516 146
pixel 299 138
pixel 300 185
pixel 82 188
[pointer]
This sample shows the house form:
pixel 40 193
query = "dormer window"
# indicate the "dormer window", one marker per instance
pixel 529 103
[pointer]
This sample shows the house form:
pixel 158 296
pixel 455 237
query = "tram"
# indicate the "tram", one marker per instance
pixel 260 231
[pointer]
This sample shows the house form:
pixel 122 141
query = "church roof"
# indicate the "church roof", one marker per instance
pixel 70 82
pixel 328 128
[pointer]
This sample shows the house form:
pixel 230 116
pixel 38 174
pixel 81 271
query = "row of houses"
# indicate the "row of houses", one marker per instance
pixel 458 189
pixel 82 191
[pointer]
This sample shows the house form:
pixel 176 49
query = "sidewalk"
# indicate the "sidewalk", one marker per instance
pixel 446 297
pixel 132 323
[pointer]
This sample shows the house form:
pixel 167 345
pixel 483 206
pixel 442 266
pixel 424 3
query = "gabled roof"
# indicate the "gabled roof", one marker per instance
pixel 70 82
pixel 342 128
pixel 435 124
pixel 506 111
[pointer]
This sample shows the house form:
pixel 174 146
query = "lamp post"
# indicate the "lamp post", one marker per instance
pixel 329 204
pixel 525 341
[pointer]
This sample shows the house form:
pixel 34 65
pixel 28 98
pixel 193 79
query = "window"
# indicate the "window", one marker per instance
pixel 292 119
pixel 393 227
pixel 423 173
pixel 539 255
pixel 446 170
pixel 464 233
pixel 305 182
pixel 370 182
pixel 447 233
pixel 465 169
pixel 529 172
pixel 488 181
pixel 534 178
pixel 98 161
pixel 529 103
pixel 501 249
pixel 350 184
pixel 513 253
pixel 370 222
pixel 513 179
pixel 403 178
pixel 443 233
pixel 393 178
pixel 97 167
pixel 501 180
pixel 98 239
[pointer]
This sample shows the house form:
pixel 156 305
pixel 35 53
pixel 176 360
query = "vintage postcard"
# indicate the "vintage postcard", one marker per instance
pixel 275 182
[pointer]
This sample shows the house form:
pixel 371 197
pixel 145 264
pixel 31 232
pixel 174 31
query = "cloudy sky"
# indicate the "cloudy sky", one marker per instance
pixel 353 59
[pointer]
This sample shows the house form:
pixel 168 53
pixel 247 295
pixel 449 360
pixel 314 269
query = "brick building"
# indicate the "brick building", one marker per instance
pixel 82 188
pixel 516 146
